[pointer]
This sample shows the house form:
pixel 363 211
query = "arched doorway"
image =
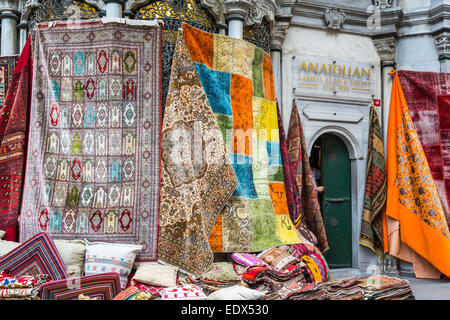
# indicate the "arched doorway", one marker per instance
pixel 331 161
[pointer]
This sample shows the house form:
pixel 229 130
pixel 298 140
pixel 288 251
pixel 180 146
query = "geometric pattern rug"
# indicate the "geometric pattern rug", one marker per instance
pixel 93 160
pixel 14 98
pixel 7 66
pixel 38 255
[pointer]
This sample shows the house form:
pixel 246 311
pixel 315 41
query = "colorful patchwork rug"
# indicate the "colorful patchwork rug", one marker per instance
pixel 238 80
pixel 93 164
pixel 197 177
pixel 413 203
pixel 375 194
pixel 36 256
pixel 13 129
pixel 103 286
pixel 7 66
pixel 430 112
pixel 298 155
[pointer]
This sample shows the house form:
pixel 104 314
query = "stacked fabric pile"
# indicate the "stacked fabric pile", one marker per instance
pixel 386 288
pixel 340 289
pixel 20 287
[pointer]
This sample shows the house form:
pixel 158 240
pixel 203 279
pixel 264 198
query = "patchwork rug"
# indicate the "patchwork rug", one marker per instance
pixel 301 168
pixel 421 230
pixel 375 194
pixel 197 177
pixel 13 128
pixel 103 286
pixel 430 114
pixel 238 80
pixel 7 66
pixel 93 164
pixel 36 256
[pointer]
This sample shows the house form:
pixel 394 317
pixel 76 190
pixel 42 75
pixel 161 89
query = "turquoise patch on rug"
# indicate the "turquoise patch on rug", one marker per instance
pixel 242 166
pixel 273 153
pixel 217 88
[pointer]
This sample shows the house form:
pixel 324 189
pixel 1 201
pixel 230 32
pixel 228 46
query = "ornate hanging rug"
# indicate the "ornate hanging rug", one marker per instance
pixel 13 129
pixel 93 164
pixel 238 80
pixel 428 97
pixel 375 193
pixel 197 176
pixel 7 66
pixel 301 168
pixel 412 197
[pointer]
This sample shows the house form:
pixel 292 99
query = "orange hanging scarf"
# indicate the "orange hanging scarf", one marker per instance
pixel 416 228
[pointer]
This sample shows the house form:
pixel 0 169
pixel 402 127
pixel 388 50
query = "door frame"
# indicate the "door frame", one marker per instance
pixel 357 168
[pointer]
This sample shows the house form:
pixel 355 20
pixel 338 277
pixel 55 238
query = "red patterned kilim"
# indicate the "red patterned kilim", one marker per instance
pixel 428 98
pixel 13 127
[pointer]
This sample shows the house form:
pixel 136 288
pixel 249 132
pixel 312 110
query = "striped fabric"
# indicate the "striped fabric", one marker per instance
pixel 104 286
pixel 36 256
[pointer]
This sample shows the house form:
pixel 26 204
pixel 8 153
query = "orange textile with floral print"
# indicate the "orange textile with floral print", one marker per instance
pixel 413 205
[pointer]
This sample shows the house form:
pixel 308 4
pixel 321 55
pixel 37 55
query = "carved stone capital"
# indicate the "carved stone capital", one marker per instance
pixel 334 18
pixel 383 4
pixel 387 49
pixel 249 11
pixel 279 34
pixel 442 42
pixel 12 6
pixel 260 10
pixel 236 9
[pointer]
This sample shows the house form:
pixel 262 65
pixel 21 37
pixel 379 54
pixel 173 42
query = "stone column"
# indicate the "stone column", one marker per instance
pixel 235 12
pixel 9 33
pixel 443 49
pixel 276 43
pixel 386 48
pixel 22 35
pixel 114 8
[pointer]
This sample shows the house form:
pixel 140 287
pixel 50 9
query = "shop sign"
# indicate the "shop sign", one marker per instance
pixel 319 77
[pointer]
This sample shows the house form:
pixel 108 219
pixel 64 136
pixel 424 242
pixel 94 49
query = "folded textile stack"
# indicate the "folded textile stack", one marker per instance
pixel 380 287
pixel 20 288
pixel 220 275
pixel 280 290
pixel 339 289
pixel 343 289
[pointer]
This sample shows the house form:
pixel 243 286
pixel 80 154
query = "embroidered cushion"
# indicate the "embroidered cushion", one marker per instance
pixel 248 259
pixel 183 292
pixel 221 271
pixel 103 286
pixel 236 293
pixel 277 258
pixel 156 274
pixel 38 255
pixel 104 257
pixel 72 252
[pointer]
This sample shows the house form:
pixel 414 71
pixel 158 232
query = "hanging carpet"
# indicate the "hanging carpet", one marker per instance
pixel 7 66
pixel 13 130
pixel 428 98
pixel 197 178
pixel 301 168
pixel 93 163
pixel 417 230
pixel 375 194
pixel 238 80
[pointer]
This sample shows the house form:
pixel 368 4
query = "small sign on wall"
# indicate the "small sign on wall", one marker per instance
pixel 321 77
